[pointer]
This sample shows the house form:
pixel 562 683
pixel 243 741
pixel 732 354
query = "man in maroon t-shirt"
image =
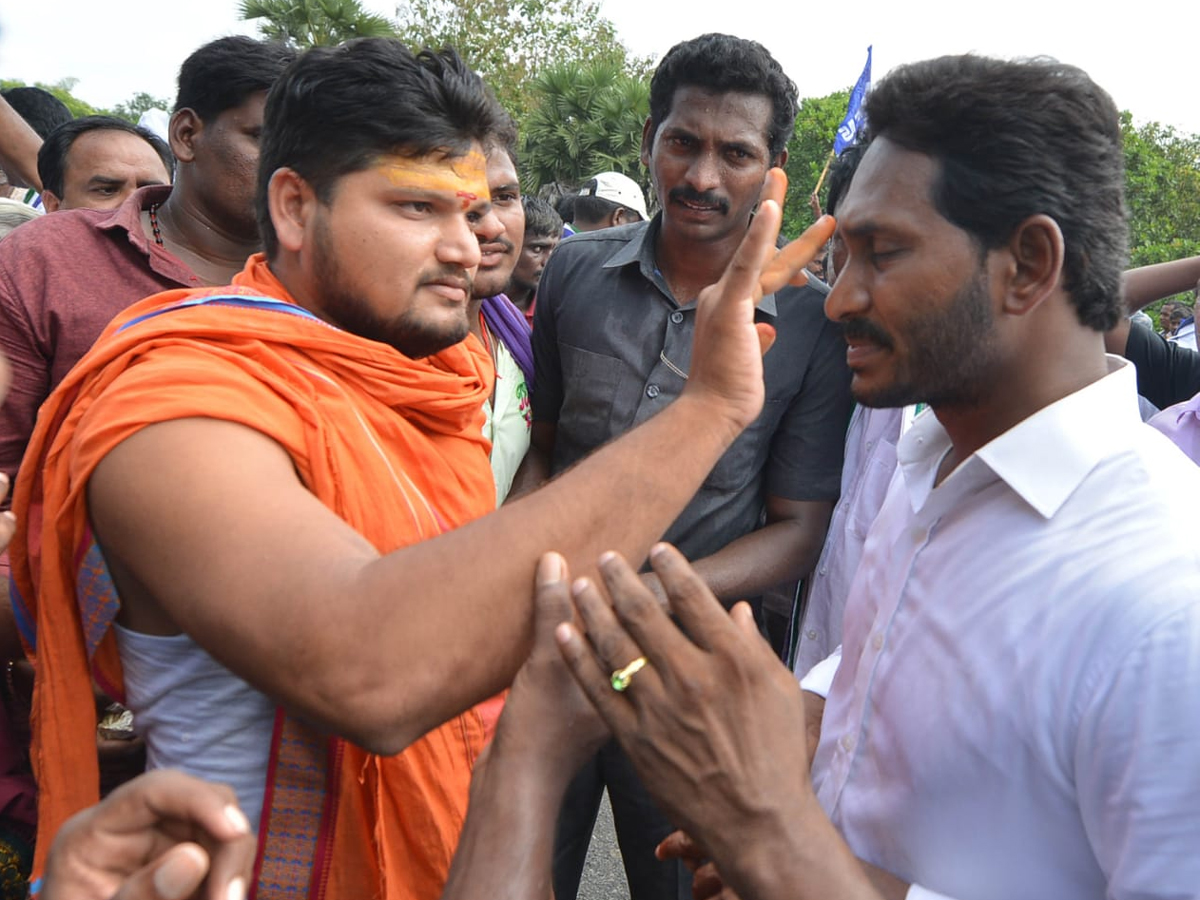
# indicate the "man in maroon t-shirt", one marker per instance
pixel 63 277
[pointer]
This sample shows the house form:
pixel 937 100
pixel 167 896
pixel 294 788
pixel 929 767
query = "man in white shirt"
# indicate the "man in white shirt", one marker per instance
pixel 1015 713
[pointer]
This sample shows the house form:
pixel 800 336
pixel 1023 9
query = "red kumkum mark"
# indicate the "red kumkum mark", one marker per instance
pixel 467 198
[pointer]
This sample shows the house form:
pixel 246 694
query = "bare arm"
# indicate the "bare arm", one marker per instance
pixel 534 470
pixel 784 549
pixel 208 530
pixel 1146 284
pixel 19 145
pixel 546 732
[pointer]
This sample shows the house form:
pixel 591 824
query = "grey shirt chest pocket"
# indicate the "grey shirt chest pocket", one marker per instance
pixel 744 459
pixel 590 382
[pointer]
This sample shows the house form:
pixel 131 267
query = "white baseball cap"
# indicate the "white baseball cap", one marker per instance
pixel 619 189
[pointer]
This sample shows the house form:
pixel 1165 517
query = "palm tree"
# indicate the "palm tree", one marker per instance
pixel 588 119
pixel 315 23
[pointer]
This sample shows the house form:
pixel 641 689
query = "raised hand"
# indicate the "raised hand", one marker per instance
pixel 726 367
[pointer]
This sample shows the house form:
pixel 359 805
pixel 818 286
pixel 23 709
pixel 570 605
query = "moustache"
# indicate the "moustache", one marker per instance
pixel 455 275
pixel 866 330
pixel 501 241
pixel 700 199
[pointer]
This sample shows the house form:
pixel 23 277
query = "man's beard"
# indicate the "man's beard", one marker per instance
pixel 406 332
pixel 951 353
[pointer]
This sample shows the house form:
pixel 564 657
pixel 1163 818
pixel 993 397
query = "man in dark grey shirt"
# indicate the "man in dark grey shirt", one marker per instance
pixel 612 346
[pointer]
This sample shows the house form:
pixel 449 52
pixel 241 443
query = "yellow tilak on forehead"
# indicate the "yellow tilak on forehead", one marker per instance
pixel 465 176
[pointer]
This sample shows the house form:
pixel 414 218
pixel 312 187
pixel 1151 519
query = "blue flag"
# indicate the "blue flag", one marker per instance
pixel 847 132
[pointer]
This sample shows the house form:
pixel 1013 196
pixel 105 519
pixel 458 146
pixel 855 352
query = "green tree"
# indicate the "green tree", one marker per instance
pixel 1162 191
pixel 511 42
pixel 808 151
pixel 587 119
pixel 132 109
pixel 315 23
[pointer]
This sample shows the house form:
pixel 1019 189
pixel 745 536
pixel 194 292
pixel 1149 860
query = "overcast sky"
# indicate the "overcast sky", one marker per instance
pixel 1145 55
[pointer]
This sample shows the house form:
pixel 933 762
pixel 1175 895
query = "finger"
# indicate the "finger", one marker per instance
pixel 170 795
pixel 740 281
pixel 232 868
pixel 642 617
pixel 614 647
pixel 552 598
pixel 743 618
pixel 173 876
pixel 699 612
pixel 3 485
pixel 707 882
pixel 766 336
pixel 786 265
pixel 614 709
pixel 680 845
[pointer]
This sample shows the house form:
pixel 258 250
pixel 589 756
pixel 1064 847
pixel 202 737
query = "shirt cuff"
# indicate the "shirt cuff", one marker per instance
pixel 820 677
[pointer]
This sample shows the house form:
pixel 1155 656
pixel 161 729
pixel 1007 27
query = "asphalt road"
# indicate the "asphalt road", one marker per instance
pixel 603 874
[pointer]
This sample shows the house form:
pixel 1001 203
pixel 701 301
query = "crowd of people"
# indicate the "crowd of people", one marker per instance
pixel 390 517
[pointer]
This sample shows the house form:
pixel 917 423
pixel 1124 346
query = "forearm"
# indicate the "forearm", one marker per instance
pixel 507 841
pixel 1144 285
pixel 616 499
pixel 19 145
pixel 778 552
pixel 802 859
pixel 533 472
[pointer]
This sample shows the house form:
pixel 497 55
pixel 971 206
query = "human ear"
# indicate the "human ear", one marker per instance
pixel 1035 253
pixel 185 126
pixel 647 140
pixel 291 201
pixel 51 201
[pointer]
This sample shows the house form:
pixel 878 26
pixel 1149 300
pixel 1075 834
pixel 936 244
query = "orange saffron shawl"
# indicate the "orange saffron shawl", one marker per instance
pixel 392 445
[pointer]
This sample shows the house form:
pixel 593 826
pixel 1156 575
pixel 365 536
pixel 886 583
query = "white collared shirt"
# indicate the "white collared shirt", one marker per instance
pixel 1017 712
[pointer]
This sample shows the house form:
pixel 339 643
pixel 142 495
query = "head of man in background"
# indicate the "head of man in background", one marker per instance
pixel 543 231
pixel 499 252
pixel 42 110
pixel 608 200
pixel 96 162
pixel 215 131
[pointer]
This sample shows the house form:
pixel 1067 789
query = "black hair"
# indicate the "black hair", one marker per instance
pixel 590 209
pixel 52 156
pixel 504 135
pixel 720 63
pixel 338 109
pixel 841 173
pixel 1016 139
pixel 541 220
pixel 223 73
pixel 565 206
pixel 41 110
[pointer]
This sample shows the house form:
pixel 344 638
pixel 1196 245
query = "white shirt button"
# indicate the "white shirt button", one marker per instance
pixel 847 742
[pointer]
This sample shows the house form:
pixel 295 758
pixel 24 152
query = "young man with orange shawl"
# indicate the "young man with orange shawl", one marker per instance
pixel 259 509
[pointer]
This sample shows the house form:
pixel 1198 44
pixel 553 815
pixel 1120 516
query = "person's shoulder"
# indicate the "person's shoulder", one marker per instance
pixel 600 243
pixel 54 232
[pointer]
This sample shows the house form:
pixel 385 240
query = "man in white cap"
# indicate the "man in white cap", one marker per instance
pixel 608 200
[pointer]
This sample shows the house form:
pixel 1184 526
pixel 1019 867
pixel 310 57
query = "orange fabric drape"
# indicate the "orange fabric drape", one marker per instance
pixel 392 445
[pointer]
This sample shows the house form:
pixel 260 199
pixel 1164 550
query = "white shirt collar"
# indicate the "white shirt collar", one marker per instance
pixel 1043 458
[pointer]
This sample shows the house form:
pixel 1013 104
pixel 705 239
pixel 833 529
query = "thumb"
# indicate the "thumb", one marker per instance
pixel 175 875
pixel 766 336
